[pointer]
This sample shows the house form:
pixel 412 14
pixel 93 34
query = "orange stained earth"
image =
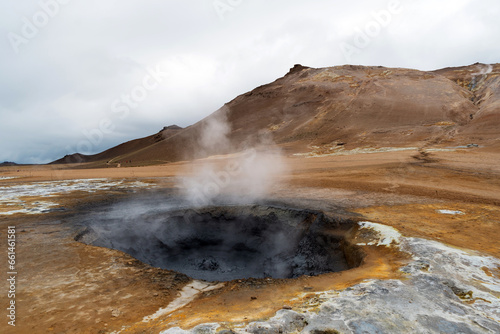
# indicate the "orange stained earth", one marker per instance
pixel 68 287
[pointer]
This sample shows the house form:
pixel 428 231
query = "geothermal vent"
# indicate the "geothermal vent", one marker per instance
pixel 234 242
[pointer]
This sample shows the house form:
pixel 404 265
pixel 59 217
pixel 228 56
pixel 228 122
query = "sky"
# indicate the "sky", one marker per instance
pixel 83 76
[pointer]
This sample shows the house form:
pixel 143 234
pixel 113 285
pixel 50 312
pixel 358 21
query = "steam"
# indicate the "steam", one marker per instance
pixel 244 177
pixel 480 76
pixel 214 134
pixel 218 244
pixel 483 70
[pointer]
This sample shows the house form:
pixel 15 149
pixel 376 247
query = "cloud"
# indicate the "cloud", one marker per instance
pixel 64 79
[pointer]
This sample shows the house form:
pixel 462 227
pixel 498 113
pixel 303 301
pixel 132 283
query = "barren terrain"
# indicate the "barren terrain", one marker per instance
pixel 405 163
pixel 68 287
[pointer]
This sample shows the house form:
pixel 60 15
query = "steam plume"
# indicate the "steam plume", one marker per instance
pixel 483 70
pixel 244 176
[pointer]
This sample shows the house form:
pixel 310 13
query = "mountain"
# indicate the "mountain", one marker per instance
pixel 8 163
pixel 483 81
pixel 117 153
pixel 350 106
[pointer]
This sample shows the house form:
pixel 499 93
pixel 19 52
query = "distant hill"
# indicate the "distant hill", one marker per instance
pixel 352 106
pixel 121 152
pixel 8 163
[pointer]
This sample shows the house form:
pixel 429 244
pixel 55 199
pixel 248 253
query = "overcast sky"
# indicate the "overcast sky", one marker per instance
pixel 82 76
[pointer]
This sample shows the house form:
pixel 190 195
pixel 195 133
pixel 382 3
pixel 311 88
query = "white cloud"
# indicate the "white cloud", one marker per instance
pixel 64 80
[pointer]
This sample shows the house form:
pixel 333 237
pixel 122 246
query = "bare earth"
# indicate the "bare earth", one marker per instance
pixel 68 287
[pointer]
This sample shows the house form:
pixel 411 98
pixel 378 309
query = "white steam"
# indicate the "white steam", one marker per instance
pixel 214 134
pixel 242 177
pixel 483 70
pixel 481 75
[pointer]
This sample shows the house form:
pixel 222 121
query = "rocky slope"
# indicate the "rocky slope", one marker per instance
pixel 115 153
pixel 348 106
pixel 483 81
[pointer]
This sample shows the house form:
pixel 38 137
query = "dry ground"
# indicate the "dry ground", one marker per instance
pixel 68 287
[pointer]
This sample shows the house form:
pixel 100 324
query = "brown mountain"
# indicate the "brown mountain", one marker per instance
pixel 114 154
pixel 352 106
pixel 483 81
pixel 8 163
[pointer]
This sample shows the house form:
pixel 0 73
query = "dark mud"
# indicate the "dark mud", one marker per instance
pixel 222 243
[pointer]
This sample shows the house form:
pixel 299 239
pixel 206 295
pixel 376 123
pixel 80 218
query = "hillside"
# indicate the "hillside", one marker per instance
pixel 349 106
pixel 484 83
pixel 7 163
pixel 114 154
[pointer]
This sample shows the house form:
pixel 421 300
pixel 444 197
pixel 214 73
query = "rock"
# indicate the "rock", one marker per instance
pixel 285 321
pixel 171 127
pixel 116 313
pixel 208 264
pixel 323 331
pixel 297 68
pixel 200 329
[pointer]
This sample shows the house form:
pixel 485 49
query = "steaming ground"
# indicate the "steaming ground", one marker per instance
pixel 445 290
pixel 226 242
pixel 246 177
pixel 431 231
pixel 442 288
pixel 426 195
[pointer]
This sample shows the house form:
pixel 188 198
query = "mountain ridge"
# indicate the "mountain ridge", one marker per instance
pixel 350 105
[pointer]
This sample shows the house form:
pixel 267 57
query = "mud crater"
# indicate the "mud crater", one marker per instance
pixel 223 243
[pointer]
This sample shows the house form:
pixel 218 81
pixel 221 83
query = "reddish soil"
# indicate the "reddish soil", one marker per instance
pixel 68 287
